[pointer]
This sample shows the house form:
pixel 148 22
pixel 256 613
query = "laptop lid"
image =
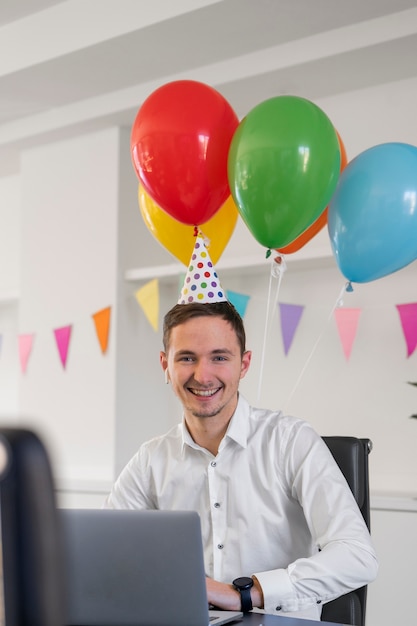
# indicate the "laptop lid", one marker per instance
pixel 134 568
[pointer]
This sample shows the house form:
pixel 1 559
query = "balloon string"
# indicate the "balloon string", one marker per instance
pixel 277 270
pixel 346 287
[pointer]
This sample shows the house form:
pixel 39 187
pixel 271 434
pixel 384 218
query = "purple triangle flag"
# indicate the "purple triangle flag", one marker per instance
pixel 290 318
pixel 408 317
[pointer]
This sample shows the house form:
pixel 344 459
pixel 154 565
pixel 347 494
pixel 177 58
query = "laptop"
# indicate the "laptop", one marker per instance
pixel 135 568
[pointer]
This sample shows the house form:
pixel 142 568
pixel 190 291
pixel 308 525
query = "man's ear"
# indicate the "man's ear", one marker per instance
pixel 163 360
pixel 246 359
pixel 164 364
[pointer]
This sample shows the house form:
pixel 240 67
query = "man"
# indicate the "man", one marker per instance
pixel 274 507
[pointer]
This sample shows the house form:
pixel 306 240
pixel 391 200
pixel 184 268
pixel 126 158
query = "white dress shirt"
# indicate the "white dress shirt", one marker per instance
pixel 273 503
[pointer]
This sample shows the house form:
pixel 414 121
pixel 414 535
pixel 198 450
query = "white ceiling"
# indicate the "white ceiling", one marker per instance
pixel 78 65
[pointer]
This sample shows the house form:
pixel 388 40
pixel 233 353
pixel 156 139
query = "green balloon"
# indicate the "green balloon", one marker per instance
pixel 283 166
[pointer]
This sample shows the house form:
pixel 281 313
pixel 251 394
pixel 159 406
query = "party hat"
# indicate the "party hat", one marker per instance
pixel 201 282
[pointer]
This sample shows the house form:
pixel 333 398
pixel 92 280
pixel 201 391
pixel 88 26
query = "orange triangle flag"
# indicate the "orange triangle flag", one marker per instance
pixel 102 323
pixel 148 298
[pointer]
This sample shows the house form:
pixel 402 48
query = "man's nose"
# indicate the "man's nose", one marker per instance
pixel 202 372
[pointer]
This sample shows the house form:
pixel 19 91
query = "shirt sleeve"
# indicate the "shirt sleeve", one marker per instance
pixel 132 489
pixel 345 557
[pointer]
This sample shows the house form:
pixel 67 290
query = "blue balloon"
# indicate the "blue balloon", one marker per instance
pixel 372 216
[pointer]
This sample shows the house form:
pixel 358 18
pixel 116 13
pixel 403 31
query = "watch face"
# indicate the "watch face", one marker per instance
pixel 244 582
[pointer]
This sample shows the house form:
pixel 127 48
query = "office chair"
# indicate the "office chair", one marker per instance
pixel 351 455
pixel 30 542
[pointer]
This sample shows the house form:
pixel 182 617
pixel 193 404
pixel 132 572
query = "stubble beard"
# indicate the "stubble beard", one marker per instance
pixel 211 413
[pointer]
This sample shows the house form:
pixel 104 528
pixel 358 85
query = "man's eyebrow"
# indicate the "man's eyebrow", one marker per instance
pixel 192 353
pixel 222 351
pixel 184 353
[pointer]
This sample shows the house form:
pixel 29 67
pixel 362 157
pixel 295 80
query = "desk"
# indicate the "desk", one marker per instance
pixel 260 619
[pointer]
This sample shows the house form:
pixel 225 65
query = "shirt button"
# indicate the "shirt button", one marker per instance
pixel 216 505
pixel 213 464
pixel 220 546
pixel 278 608
pixel 318 601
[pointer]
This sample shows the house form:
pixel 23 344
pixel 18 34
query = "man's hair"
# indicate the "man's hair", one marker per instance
pixel 181 313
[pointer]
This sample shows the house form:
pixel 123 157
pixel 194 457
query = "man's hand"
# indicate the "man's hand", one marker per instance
pixel 226 597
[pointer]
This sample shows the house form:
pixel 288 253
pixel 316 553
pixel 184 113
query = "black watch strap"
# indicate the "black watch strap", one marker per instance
pixel 246 600
pixel 244 585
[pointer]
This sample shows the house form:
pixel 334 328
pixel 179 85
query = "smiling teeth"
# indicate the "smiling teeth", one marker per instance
pixel 201 392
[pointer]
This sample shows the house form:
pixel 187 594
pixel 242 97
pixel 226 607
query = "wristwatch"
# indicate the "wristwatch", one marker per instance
pixel 243 585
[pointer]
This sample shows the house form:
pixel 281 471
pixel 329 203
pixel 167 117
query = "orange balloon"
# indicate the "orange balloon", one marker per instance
pixel 305 237
pixel 321 221
pixel 179 238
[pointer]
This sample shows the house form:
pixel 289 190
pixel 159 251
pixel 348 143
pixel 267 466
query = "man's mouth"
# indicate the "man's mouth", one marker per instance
pixel 203 393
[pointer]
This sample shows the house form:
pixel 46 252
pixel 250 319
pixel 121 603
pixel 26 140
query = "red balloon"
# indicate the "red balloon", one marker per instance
pixel 179 144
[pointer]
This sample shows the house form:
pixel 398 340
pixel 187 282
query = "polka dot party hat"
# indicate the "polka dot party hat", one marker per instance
pixel 201 282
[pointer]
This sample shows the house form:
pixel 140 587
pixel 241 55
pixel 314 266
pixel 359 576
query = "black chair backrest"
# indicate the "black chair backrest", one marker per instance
pixel 31 546
pixel 351 455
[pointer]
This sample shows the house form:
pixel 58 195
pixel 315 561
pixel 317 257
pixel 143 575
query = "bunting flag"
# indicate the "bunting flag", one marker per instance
pixel 25 343
pixel 148 298
pixel 239 301
pixel 62 338
pixel 408 317
pixel 290 315
pixel 347 325
pixel 102 324
pixel 347 320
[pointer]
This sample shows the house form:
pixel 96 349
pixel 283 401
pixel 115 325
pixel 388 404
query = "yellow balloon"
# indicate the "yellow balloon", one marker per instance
pixel 178 238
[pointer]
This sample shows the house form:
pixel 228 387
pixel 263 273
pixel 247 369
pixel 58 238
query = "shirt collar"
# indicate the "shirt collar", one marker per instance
pixel 238 425
pixel 237 429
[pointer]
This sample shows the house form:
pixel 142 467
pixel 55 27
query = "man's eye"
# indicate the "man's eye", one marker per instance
pixel 220 358
pixel 186 359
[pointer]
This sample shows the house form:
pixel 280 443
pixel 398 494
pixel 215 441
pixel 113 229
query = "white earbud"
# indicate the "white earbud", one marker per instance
pixel 166 377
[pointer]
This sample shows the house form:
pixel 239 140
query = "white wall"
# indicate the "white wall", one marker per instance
pixel 374 115
pixel 10 227
pixel 68 272
pixel 10 235
pixel 391 596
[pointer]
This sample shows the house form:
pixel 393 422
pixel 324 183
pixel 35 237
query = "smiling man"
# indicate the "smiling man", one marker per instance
pixel 281 530
pixel 204 361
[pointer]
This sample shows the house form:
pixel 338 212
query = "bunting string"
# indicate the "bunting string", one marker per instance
pixel 346 320
pixel 339 302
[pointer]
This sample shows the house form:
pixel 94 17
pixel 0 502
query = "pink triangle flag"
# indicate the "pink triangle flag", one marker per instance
pixel 25 348
pixel 347 325
pixel 290 315
pixel 408 317
pixel 62 338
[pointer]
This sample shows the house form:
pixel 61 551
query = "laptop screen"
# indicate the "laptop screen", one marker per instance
pixel 134 568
